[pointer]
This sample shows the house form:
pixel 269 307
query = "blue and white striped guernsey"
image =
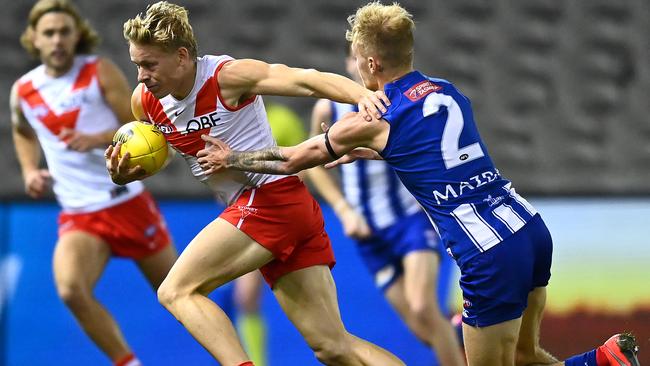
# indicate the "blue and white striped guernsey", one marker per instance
pixel 373 188
pixel 435 149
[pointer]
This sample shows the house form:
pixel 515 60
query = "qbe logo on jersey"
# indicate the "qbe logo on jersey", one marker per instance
pixel 202 122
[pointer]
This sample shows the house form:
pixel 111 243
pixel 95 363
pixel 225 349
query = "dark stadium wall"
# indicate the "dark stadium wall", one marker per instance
pixel 559 88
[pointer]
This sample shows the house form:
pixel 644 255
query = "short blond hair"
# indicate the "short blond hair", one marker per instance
pixel 88 38
pixel 165 25
pixel 383 30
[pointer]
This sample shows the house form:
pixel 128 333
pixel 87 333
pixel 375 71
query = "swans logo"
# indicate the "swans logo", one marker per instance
pixel 246 210
pixel 166 129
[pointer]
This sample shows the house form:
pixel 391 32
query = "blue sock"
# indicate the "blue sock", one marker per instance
pixel 585 359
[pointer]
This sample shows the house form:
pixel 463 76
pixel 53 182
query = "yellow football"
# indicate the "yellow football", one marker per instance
pixel 145 143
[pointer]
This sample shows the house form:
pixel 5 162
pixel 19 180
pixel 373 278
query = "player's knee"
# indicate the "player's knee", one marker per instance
pixel 418 309
pixel 423 311
pixel 169 293
pixel 74 295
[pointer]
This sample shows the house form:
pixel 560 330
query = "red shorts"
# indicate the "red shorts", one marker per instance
pixel 284 218
pixel 133 229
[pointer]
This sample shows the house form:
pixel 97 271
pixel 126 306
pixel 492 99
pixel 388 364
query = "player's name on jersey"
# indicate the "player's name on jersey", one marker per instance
pixel 457 189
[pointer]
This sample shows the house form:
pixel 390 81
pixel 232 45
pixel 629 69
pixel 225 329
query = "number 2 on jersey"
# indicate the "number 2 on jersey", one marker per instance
pixel 452 154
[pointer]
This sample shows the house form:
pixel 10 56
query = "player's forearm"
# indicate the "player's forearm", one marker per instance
pixel 334 87
pixel 105 138
pixel 270 161
pixel 28 150
pixel 280 160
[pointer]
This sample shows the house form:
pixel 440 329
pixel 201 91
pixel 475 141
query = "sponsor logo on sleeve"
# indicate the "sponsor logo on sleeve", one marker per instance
pixel 420 90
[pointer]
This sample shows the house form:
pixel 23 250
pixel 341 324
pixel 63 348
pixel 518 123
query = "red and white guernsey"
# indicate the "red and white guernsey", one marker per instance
pixel 73 100
pixel 203 111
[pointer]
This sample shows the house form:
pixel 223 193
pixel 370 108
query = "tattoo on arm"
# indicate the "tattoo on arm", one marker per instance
pixel 262 161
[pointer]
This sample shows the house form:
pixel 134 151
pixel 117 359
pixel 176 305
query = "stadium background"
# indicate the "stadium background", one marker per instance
pixel 560 90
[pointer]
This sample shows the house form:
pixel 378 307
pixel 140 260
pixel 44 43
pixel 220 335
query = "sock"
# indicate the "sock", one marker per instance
pixel 253 333
pixel 128 360
pixel 247 363
pixel 585 359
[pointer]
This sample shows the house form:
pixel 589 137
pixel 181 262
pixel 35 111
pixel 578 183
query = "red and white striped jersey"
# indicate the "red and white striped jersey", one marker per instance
pixel 73 100
pixel 203 111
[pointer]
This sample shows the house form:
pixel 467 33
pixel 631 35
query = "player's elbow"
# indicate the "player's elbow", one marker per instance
pixel 308 81
pixel 24 131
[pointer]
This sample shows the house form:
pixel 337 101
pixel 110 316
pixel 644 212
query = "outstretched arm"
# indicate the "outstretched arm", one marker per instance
pixel 273 160
pixel 240 79
pixel 349 133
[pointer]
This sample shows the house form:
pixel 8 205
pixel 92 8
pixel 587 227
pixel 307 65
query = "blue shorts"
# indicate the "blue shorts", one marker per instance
pixel 496 283
pixel 384 250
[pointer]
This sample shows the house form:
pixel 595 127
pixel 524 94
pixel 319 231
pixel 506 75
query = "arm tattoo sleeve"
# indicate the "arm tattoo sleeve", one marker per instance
pixel 262 161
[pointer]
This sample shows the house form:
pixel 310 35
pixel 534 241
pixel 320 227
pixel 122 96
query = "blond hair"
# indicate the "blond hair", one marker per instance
pixel 164 25
pixel 88 38
pixel 383 30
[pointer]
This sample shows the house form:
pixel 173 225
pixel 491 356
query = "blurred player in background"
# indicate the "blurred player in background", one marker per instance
pixel 286 125
pixel 394 237
pixel 271 223
pixel 247 296
pixel 70 106
pixel 429 137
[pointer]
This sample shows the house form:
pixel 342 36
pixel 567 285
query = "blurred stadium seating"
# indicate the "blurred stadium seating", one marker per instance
pixel 559 87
